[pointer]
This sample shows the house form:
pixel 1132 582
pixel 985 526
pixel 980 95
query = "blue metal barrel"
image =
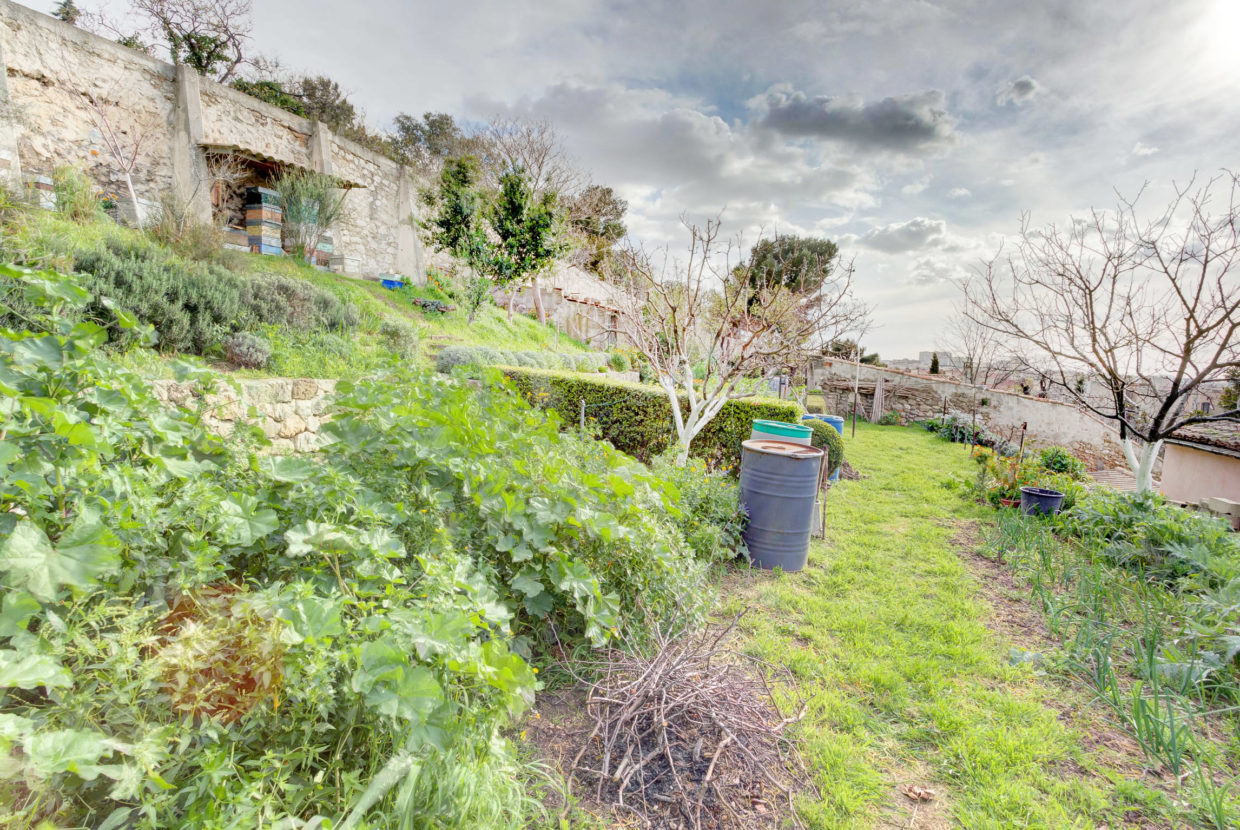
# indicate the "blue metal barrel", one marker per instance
pixel 779 484
pixel 835 421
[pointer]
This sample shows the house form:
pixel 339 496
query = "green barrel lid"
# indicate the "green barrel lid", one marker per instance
pixel 782 428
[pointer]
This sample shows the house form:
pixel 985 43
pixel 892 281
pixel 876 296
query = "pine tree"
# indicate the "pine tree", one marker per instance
pixel 67 11
pixel 934 363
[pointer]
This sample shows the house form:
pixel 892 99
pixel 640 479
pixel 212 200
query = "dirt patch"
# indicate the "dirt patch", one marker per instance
pixel 847 473
pixel 917 803
pixel 1013 617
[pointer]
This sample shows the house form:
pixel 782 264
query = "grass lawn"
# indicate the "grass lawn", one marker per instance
pixel 921 669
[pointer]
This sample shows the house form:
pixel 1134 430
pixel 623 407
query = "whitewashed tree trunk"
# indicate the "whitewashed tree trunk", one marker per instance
pixel 538 303
pixel 138 218
pixel 1142 462
pixel 512 300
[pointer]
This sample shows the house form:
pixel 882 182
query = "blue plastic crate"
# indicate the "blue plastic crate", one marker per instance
pixel 393 284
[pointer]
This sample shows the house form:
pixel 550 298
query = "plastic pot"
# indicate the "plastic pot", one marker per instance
pixel 1040 501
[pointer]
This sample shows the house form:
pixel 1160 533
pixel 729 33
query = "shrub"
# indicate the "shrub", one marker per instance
pixel 175 225
pixel 75 194
pixel 399 338
pixel 890 419
pixel 638 420
pixel 232 639
pixel 618 362
pixel 826 437
pixel 1146 532
pixel 481 356
pixel 194 305
pixel 707 509
pixel 249 351
pixel 1061 460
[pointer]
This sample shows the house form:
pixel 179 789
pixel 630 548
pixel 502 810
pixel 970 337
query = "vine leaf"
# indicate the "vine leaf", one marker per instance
pixel 86 551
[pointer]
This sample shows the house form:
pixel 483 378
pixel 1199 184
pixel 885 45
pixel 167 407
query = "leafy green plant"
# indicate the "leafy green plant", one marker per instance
pixel 1061 460
pixel 75 194
pixel 195 633
pixel 708 509
pixel 636 419
pixel 312 203
pixel 249 351
pixel 826 437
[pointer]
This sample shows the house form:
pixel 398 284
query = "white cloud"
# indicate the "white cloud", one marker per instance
pixel 959 193
pixel 900 237
pixel 1140 149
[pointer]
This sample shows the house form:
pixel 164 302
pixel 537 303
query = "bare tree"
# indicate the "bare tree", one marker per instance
pixel 533 146
pixel 123 143
pixel 209 35
pixel 709 329
pixel 1148 307
pixel 979 351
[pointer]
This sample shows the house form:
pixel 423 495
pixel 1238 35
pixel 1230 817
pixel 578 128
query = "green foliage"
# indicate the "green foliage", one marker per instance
pixel 527 227
pixel 399 338
pixel 68 11
pixel 312 203
pixel 207 635
pixel 433 138
pixel 1061 460
pixel 961 429
pixel 637 419
pixel 271 92
pixel 798 263
pixel 1161 539
pixel 75 194
pixel 193 305
pixel 618 362
pixel 1230 399
pixel 454 356
pixel 248 351
pixel 825 437
pixel 710 515
pixel 934 364
pixel 456 226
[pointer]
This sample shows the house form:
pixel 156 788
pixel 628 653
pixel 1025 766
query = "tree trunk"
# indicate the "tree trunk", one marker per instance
pixel 538 303
pixel 1142 463
pixel 512 300
pixel 133 200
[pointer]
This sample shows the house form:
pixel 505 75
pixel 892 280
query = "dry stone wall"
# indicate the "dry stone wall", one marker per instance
pixel 53 69
pixel 290 411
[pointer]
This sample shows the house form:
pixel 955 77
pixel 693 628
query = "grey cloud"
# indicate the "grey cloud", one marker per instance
pixel 914 123
pixel 1020 91
pixel 900 237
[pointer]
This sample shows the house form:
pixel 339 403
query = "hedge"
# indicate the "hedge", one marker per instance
pixel 636 418
pixel 454 356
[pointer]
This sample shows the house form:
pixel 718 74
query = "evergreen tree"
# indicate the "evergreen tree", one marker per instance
pixel 934 363
pixel 67 11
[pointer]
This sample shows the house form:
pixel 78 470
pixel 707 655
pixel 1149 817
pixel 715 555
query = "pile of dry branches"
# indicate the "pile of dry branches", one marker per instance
pixel 688 734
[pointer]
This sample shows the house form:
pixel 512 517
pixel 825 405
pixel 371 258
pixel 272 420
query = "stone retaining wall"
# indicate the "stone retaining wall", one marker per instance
pixel 916 398
pixel 289 411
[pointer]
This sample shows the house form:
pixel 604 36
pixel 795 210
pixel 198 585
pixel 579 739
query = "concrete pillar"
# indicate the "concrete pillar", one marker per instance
pixel 408 250
pixel 189 163
pixel 10 162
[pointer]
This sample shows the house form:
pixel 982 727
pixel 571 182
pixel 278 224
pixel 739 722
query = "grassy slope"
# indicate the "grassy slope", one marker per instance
pixel 906 683
pixel 48 236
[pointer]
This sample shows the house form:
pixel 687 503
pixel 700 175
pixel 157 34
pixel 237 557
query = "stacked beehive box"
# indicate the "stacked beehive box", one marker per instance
pixel 264 219
pixel 323 252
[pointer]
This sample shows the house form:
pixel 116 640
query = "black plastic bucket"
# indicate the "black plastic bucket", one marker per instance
pixel 779 484
pixel 1036 501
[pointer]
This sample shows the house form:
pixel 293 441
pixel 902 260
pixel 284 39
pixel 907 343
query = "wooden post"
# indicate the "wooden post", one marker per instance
pixel 583 415
pixel 856 386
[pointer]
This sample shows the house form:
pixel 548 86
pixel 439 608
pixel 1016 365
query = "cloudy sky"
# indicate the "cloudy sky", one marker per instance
pixel 914 132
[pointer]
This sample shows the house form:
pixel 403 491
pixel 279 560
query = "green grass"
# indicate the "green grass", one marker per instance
pixel 49 239
pixel 887 634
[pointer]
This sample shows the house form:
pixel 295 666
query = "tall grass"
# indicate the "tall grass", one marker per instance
pixel 1131 638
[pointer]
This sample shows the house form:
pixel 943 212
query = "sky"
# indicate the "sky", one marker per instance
pixel 915 133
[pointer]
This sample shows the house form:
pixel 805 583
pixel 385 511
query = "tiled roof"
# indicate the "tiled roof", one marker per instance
pixel 1222 434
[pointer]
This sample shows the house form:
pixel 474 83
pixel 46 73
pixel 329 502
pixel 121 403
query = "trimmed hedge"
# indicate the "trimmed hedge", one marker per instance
pixel 826 438
pixel 454 356
pixel 637 419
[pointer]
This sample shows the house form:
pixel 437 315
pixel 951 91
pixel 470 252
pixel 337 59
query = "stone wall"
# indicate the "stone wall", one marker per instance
pixel 1003 413
pixel 289 411
pixel 46 121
